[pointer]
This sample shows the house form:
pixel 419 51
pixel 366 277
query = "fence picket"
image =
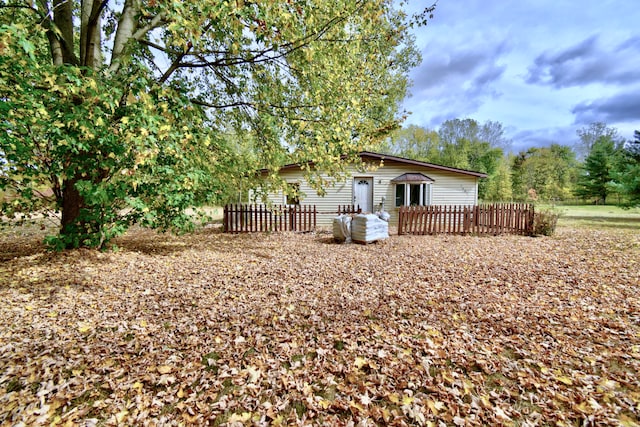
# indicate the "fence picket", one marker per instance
pixel 480 219
pixel 251 218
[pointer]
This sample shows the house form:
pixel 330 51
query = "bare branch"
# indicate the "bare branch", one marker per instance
pixel 221 106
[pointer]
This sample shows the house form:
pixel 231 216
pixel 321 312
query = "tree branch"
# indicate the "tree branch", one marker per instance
pixel 220 106
pixel 127 32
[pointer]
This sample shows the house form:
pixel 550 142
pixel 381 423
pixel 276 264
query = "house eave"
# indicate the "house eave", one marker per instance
pixel 402 160
pixel 387 157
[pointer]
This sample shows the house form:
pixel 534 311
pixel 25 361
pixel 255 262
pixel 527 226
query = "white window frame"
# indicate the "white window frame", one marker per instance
pixel 425 196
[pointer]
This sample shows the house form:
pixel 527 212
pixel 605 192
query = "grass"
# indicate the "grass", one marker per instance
pixel 596 216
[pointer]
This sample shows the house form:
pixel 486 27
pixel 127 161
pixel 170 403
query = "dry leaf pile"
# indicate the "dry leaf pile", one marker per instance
pixel 288 329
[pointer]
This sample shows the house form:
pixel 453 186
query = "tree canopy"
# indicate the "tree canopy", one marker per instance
pixel 458 143
pixel 548 172
pixel 131 112
pixel 598 170
pixel 627 177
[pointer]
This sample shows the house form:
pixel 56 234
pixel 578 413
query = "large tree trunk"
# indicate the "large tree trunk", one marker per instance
pixel 72 203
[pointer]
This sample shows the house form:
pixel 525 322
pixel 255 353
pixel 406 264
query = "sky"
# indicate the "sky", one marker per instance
pixel 542 68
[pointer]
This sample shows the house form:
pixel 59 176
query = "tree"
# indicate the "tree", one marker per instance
pixel 459 143
pixel 591 134
pixel 627 176
pixel 500 188
pixel 466 144
pixel 549 171
pixel 598 170
pixel 125 113
pixel 413 142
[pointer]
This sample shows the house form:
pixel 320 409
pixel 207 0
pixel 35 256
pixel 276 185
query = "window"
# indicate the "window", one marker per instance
pixel 413 189
pixel 292 196
pixel 413 194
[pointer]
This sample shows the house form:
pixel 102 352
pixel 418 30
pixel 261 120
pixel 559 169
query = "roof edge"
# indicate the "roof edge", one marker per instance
pixel 383 157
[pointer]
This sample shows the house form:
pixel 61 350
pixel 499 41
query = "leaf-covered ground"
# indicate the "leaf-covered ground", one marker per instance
pixel 288 329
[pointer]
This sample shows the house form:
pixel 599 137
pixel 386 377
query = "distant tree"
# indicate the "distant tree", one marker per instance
pixel 599 170
pixel 589 135
pixel 549 171
pixel 459 143
pixel 413 142
pixel 500 187
pixel 466 144
pixel 627 176
pixel 633 147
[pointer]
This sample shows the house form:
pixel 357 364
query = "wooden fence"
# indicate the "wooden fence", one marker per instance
pixel 481 220
pixel 260 218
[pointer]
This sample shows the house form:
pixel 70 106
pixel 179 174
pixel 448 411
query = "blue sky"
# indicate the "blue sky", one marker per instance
pixel 542 68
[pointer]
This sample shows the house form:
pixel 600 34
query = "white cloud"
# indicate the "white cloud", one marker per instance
pixel 540 68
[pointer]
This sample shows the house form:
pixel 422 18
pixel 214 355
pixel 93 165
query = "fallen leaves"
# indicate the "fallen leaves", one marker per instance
pixel 208 329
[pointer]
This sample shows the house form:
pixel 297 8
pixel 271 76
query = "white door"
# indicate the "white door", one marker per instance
pixel 363 193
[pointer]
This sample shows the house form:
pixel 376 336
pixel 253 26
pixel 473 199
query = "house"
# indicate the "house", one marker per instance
pixel 389 183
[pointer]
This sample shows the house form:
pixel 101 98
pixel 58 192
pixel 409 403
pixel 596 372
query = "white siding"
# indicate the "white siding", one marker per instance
pixel 449 188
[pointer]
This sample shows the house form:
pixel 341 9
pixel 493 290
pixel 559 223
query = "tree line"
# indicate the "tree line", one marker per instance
pixel 601 167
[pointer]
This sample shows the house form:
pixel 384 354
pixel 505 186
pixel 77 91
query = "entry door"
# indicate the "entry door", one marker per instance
pixel 363 193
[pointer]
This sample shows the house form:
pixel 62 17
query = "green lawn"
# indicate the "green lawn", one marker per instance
pixel 598 216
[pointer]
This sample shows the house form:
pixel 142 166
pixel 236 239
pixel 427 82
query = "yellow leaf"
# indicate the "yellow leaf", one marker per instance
pixel 244 417
pixel 584 407
pixel 120 416
pixel 84 327
pixel 354 405
pixel 407 400
pixel 360 362
pixel 180 393
pixel 324 404
pixel 394 398
pixel 435 406
pixel 484 399
pixel 164 369
pixel 565 380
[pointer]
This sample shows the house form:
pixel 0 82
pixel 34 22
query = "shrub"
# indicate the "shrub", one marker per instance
pixel 544 222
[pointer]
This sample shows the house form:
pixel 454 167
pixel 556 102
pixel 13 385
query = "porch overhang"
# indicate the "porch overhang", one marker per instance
pixel 412 178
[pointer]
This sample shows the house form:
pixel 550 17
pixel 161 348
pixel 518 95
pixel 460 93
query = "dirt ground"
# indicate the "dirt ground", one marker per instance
pixel 281 329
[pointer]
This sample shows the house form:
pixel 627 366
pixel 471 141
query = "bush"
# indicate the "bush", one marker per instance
pixel 544 222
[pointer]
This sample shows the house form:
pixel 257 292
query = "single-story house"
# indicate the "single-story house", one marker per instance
pixel 395 182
